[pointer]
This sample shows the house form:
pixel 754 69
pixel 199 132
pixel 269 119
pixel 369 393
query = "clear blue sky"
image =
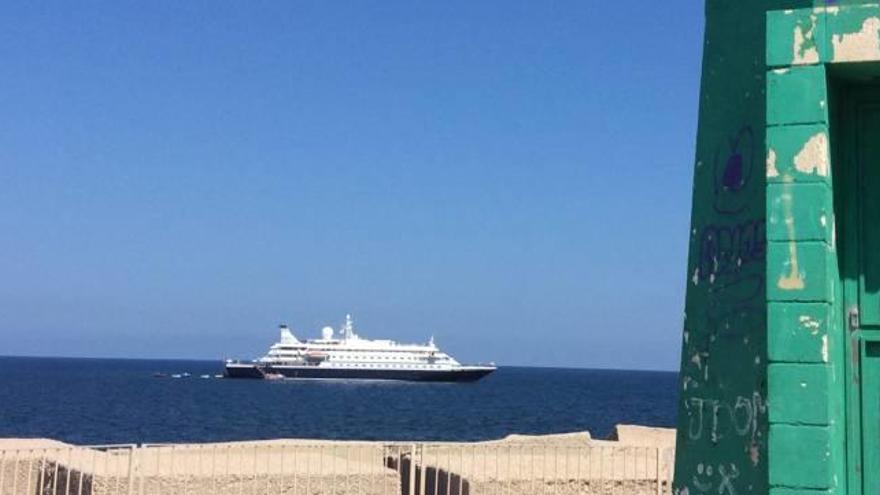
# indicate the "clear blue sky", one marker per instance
pixel 512 177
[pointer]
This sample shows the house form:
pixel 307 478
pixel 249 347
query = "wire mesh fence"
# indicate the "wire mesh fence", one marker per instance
pixel 336 468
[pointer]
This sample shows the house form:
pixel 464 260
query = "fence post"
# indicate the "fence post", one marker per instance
pixel 131 468
pixel 412 470
pixel 659 478
pixel 423 470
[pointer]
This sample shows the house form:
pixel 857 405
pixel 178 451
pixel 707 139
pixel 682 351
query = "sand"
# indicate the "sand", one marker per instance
pixel 567 463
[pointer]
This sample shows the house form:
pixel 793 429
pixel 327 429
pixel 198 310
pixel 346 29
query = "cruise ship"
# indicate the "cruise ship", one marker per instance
pixel 345 355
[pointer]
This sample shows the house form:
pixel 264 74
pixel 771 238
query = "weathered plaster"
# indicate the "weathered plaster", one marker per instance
pixel 794 280
pixel 858 46
pixel 771 164
pixel 805 49
pixel 813 157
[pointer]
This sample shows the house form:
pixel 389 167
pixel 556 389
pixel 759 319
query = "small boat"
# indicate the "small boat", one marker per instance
pixel 205 377
pixel 218 376
pixel 160 375
pixel 177 375
pixel 273 376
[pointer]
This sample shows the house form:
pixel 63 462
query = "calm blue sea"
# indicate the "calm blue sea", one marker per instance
pixel 90 401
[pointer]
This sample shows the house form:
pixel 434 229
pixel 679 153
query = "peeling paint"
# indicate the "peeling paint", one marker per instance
pixel 813 157
pixel 859 46
pixel 825 348
pixel 794 280
pixel 805 50
pixel 771 164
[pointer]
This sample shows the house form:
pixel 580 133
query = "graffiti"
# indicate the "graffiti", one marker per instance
pixel 727 476
pixel 726 320
pixel 704 480
pixel 726 249
pixel 720 418
pixel 734 169
pixel 725 252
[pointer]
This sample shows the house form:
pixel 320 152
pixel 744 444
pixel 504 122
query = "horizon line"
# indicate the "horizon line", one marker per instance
pixel 221 360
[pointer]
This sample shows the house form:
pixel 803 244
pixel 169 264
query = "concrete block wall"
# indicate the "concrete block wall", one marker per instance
pixel 804 392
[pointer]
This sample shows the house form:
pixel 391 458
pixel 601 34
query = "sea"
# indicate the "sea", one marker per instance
pixel 112 401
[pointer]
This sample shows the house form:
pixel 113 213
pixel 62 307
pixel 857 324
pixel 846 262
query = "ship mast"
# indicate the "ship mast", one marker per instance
pixel 348 329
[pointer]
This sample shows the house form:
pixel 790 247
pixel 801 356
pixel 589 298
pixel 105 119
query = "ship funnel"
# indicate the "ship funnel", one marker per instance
pixel 286 335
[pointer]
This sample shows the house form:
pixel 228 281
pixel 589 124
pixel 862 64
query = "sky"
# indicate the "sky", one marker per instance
pixel 511 177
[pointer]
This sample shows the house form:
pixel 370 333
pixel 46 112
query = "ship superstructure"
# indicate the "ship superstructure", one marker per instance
pixel 344 354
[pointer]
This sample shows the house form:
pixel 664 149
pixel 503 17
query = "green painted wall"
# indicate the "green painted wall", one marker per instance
pixel 771 400
pixel 723 425
pixel 805 391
